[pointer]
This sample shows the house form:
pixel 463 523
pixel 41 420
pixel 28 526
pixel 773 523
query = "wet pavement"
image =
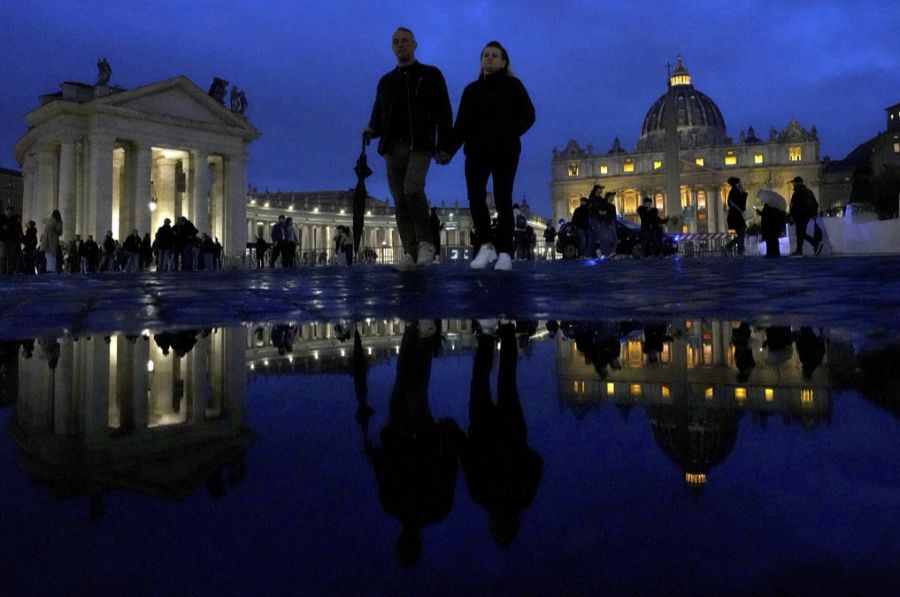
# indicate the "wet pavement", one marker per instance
pixel 857 292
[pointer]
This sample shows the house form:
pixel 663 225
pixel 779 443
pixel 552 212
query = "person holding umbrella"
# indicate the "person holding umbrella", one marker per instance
pixel 494 112
pixel 773 219
pixel 413 119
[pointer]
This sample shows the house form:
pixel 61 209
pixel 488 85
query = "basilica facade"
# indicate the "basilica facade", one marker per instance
pixel 707 157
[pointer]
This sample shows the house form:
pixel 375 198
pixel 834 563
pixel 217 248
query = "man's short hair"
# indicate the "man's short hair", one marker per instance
pixel 408 30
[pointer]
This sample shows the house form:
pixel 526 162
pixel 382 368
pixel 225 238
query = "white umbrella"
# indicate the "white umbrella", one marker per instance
pixel 772 199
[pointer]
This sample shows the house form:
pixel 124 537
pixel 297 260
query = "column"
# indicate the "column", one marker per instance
pixel 45 187
pixel 201 184
pixel 119 223
pixel 141 189
pixel 234 209
pixel 67 187
pixel 164 188
pixel 95 386
pixel 100 180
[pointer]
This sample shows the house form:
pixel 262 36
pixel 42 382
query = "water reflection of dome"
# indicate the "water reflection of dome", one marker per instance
pixel 700 122
pixel 695 437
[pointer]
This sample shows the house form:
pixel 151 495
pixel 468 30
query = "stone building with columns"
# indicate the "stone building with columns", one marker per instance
pixel 707 158
pixel 117 159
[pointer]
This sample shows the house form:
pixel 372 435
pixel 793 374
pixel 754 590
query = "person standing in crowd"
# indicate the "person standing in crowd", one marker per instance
pixel 261 247
pixel 771 227
pixel 436 227
pixel 164 244
pixel 413 120
pixel 74 255
pixel 651 228
pixel 289 243
pixel 108 253
pixel 207 252
pixel 603 224
pixel 581 220
pixel 549 239
pixel 90 255
pixel 803 208
pixel 132 246
pixel 494 112
pixel 185 234
pixel 53 228
pixel 736 204
pixel 30 244
pixel 277 241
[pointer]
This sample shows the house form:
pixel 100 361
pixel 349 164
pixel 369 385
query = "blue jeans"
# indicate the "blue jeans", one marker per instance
pixel 406 171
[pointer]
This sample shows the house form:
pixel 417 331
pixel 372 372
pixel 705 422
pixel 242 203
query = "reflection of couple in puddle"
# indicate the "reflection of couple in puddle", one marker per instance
pixel 416 464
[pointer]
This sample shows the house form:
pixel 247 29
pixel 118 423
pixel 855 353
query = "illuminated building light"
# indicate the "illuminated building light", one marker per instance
pixel 610 388
pixel 740 394
pixel 315 209
pixel 149 366
pixel 695 478
pixel 806 396
pixel 769 394
pixel 665 392
pixel 708 393
pixel 657 164
pixel 572 169
pixel 252 367
pixel 730 158
pixel 316 355
pixel 758 158
pixel 343 352
pixel 699 161
pixel 604 169
pixel 635 389
pixel 267 204
pixel 628 166
pixel 794 154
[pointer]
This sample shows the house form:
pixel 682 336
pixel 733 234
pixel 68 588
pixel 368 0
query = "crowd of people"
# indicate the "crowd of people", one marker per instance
pixel 178 247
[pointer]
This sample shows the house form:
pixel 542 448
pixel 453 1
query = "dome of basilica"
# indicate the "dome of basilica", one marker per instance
pixel 699 120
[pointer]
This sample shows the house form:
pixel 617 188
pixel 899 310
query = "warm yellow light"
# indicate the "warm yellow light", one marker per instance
pixel 657 164
pixel 770 394
pixel 740 394
pixel 149 366
pixel 806 396
pixel 604 169
pixel 665 391
pixel 572 169
pixel 730 159
pixel 758 158
pixel 628 166
pixel 708 393
pixel 794 154
pixel 695 478
pixel 610 388
pixel 699 161
pixel 680 79
pixel 635 389
pixel 152 206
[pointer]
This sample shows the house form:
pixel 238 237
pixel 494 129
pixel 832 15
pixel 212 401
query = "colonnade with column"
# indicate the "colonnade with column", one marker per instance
pixel 101 183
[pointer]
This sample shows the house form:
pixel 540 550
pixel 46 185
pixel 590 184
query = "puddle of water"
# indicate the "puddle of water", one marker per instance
pixel 452 455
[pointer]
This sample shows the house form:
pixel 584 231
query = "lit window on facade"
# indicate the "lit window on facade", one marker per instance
pixel 806 396
pixel 664 391
pixel 635 389
pixel 610 388
pixel 707 353
pixel 769 394
pixel 794 154
pixel 604 169
pixel 685 196
pixel 690 356
pixel 660 201
pixel 665 357
pixel 730 158
pixel 740 394
pixel 573 169
pixel 896 145
pixel 708 393
pixel 699 161
pixel 634 354
pixel 657 164
pixel 630 201
pixel 578 387
pixel 701 199
pixel 628 166
pixel 758 158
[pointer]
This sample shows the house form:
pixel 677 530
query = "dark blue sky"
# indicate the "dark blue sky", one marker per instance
pixel 309 69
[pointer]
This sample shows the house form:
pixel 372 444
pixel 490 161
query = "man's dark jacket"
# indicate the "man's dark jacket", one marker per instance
pixel 429 105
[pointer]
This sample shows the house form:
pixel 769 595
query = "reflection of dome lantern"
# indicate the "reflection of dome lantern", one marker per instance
pixel 699 119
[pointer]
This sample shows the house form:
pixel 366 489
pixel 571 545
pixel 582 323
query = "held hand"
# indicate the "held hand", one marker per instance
pixel 367 134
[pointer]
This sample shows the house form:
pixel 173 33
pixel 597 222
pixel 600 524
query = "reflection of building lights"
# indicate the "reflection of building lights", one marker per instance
pixel 806 396
pixel 610 388
pixel 665 391
pixel 370 350
pixel 708 393
pixel 695 478
pixel 252 367
pixel 149 366
pixel 770 394
pixel 266 362
pixel 740 393
pixel 343 352
pixel 635 389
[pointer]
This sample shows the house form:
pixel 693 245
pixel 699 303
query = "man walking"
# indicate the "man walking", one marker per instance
pixel 413 120
pixel 803 207
pixel 277 240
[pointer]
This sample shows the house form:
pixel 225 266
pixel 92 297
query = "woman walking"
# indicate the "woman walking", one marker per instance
pixel 53 229
pixel 494 112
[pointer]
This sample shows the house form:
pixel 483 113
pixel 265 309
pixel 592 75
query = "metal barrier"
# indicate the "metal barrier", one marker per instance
pixel 702 244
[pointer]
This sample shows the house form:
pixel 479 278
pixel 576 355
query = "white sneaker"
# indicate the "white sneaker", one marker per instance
pixel 426 253
pixel 486 254
pixel 406 263
pixel 504 262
